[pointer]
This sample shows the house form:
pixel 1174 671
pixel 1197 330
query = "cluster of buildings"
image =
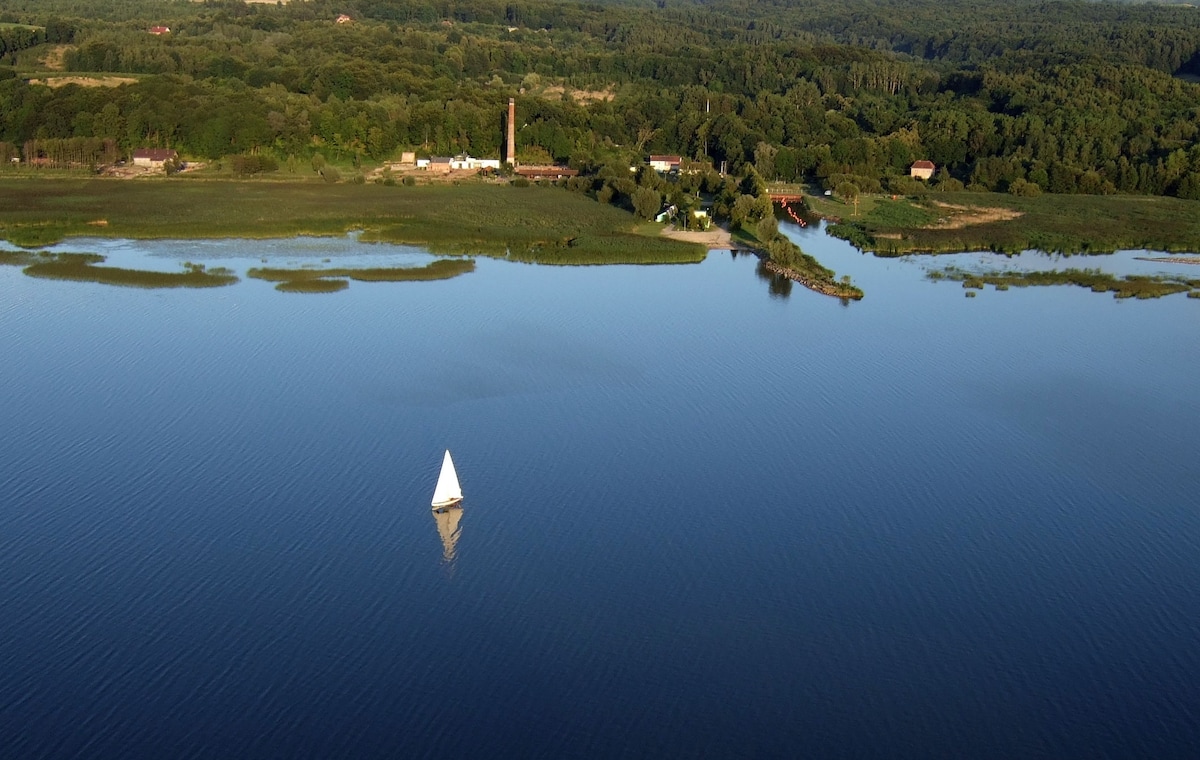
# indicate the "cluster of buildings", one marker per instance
pixel 447 164
pixel 663 163
pixel 464 162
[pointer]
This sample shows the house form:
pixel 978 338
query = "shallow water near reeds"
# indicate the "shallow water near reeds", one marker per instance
pixel 706 515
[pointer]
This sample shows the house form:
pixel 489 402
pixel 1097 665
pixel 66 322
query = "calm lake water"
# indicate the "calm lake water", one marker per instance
pixel 702 518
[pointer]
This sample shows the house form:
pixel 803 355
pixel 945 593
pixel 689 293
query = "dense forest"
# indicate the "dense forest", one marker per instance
pixel 1019 96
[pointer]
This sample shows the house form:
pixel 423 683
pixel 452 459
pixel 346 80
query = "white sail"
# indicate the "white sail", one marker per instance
pixel 447 491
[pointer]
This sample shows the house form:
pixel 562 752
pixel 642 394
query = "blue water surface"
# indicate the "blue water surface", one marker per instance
pixel 703 518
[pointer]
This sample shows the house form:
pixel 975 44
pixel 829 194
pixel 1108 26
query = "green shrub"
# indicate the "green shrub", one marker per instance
pixel 247 164
pixel 853 234
pixel 1024 188
pixel 646 202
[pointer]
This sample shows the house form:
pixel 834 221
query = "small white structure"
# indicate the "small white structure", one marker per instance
pixel 665 163
pixel 463 162
pixel 153 157
pixel 922 169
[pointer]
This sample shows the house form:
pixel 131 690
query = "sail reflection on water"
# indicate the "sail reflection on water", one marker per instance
pixel 449 529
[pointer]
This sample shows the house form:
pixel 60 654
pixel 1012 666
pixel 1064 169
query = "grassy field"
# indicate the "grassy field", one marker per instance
pixel 536 224
pixel 952 222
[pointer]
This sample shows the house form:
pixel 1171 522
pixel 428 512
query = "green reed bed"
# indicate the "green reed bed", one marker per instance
pixel 82 267
pixel 334 279
pixel 315 285
pixel 17 258
pixel 529 224
pixel 1132 286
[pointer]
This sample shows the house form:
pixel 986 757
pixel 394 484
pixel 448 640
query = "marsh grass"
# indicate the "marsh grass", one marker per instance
pixel 315 285
pixel 334 279
pixel 1084 224
pixel 17 258
pixel 81 267
pixel 535 224
pixel 1132 286
pixel 899 214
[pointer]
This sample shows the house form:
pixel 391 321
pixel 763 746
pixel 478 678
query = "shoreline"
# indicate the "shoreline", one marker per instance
pixel 824 288
pixel 722 239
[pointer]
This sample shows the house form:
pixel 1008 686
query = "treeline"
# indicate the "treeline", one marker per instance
pixel 1012 95
pixel 69 153
pixel 14 37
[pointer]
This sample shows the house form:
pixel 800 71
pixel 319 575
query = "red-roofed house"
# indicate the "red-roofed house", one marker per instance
pixel 665 163
pixel 160 30
pixel 153 157
pixel 922 169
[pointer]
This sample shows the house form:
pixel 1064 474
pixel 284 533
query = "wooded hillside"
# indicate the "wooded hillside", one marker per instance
pixel 1012 95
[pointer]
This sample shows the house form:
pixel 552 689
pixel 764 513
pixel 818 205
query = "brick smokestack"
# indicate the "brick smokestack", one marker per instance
pixel 511 154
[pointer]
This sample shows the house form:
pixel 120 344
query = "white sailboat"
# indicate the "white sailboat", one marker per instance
pixel 447 492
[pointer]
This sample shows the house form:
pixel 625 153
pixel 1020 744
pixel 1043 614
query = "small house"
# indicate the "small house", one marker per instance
pixel 408 157
pixel 440 164
pixel 158 30
pixel 153 157
pixel 922 169
pixel 342 19
pixel 665 163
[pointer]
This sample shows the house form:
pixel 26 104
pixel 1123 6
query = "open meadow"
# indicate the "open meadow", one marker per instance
pixel 535 224
pixel 969 221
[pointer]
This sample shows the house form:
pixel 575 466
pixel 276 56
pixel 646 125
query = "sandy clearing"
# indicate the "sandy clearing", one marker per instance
pixel 713 238
pixel 580 96
pixel 84 81
pixel 53 59
pixel 966 216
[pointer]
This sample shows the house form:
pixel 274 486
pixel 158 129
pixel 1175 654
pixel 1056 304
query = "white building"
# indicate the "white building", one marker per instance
pixel 464 162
